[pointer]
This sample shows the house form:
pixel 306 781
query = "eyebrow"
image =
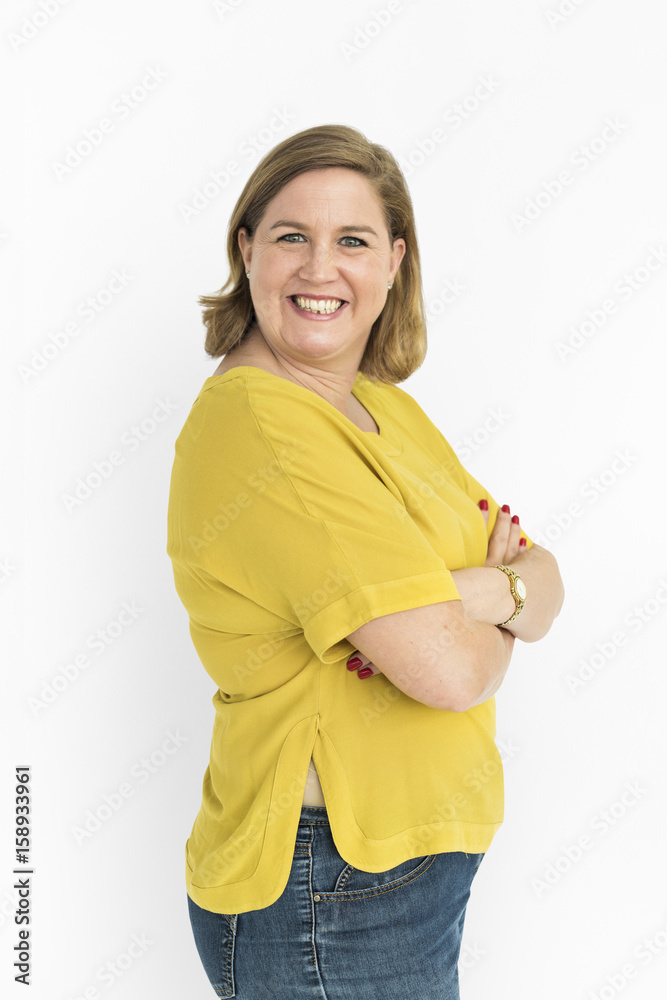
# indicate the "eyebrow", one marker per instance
pixel 341 229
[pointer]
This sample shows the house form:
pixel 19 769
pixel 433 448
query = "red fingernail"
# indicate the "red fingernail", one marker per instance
pixel 506 508
pixel 522 543
pixel 483 504
pixel 366 672
pixel 515 519
pixel 353 663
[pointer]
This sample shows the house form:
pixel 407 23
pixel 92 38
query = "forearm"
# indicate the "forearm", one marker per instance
pixel 491 674
pixel 436 654
pixel 486 595
pixel 461 668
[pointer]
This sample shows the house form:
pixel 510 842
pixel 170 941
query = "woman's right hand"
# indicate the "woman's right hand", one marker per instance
pixel 357 661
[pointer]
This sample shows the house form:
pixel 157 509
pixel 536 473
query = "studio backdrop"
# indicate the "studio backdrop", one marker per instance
pixel 532 137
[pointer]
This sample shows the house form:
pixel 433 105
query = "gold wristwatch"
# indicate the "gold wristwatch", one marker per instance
pixel 518 591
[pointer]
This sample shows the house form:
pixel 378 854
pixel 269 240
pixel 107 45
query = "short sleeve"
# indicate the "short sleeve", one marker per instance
pixel 275 499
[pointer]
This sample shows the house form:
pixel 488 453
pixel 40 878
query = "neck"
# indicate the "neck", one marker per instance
pixel 333 385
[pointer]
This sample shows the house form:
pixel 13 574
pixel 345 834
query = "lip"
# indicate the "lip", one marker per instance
pixel 317 298
pixel 317 317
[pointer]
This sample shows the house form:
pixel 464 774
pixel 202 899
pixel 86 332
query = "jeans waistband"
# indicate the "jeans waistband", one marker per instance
pixel 310 814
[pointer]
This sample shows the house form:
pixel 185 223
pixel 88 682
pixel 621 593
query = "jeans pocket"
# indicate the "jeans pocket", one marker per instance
pixel 215 938
pixel 359 883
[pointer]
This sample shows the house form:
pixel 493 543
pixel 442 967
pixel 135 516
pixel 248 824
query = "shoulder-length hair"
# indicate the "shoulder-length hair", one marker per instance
pixel 396 345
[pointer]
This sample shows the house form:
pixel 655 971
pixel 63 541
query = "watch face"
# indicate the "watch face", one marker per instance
pixel 520 588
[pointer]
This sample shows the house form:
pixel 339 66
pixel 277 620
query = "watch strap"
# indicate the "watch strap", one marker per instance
pixel 519 603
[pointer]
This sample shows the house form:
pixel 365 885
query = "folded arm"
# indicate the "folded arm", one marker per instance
pixel 437 654
pixel 451 655
pixel 486 595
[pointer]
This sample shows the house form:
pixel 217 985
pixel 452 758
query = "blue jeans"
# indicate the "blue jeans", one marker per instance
pixel 339 933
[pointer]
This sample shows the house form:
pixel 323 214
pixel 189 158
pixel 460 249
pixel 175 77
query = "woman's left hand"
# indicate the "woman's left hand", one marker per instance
pixel 505 542
pixel 357 661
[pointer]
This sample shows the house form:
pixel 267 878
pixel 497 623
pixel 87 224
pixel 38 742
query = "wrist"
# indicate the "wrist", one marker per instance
pixel 485 594
pixel 505 604
pixel 517 592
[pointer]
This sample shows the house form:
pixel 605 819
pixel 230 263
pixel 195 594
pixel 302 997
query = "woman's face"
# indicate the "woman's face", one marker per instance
pixel 323 239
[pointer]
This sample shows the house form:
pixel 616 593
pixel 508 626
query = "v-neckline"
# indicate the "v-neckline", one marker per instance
pixel 355 392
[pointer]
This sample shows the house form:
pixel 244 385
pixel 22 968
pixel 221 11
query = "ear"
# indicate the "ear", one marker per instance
pixel 397 254
pixel 245 245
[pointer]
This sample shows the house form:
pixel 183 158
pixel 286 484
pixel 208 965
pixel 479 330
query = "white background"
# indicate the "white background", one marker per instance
pixel 578 451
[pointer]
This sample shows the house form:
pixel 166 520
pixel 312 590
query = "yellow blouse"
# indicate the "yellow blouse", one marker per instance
pixel 288 528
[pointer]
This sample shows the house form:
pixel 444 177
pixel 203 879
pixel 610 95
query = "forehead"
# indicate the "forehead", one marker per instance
pixel 335 192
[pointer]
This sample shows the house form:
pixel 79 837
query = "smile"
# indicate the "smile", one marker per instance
pixel 320 307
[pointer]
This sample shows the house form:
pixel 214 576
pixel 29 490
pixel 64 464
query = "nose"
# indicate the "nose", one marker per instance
pixel 318 263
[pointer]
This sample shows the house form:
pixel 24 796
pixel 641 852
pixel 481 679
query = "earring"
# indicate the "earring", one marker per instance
pixel 247 274
pixel 389 284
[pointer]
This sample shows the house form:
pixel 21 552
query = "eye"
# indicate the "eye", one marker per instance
pixel 356 242
pixel 290 237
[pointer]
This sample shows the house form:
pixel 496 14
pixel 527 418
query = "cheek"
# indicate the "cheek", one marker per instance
pixel 368 279
pixel 375 288
pixel 270 279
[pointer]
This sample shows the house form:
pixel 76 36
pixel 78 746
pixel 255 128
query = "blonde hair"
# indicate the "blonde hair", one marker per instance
pixel 396 345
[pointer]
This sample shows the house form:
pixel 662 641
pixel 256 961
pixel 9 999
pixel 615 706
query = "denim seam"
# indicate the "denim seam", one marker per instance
pixel 367 894
pixel 223 991
pixel 309 853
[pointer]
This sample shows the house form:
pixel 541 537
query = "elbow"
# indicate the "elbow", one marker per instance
pixel 445 700
pixel 540 627
pixel 441 689
pixel 558 587
pixel 453 703
pixel 477 690
pixel 464 689
pixel 561 594
pixel 464 700
pixel 465 704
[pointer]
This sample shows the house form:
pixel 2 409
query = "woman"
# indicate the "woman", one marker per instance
pixel 349 592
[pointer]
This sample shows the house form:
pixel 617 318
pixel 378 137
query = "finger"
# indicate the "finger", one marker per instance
pixel 513 547
pixel 364 667
pixel 484 507
pixel 499 537
pixel 357 661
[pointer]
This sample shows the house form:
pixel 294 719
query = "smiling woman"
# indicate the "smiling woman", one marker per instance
pixel 397 343
pixel 318 284
pixel 339 831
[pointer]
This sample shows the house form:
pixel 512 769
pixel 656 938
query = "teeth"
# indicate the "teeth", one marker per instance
pixel 318 305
